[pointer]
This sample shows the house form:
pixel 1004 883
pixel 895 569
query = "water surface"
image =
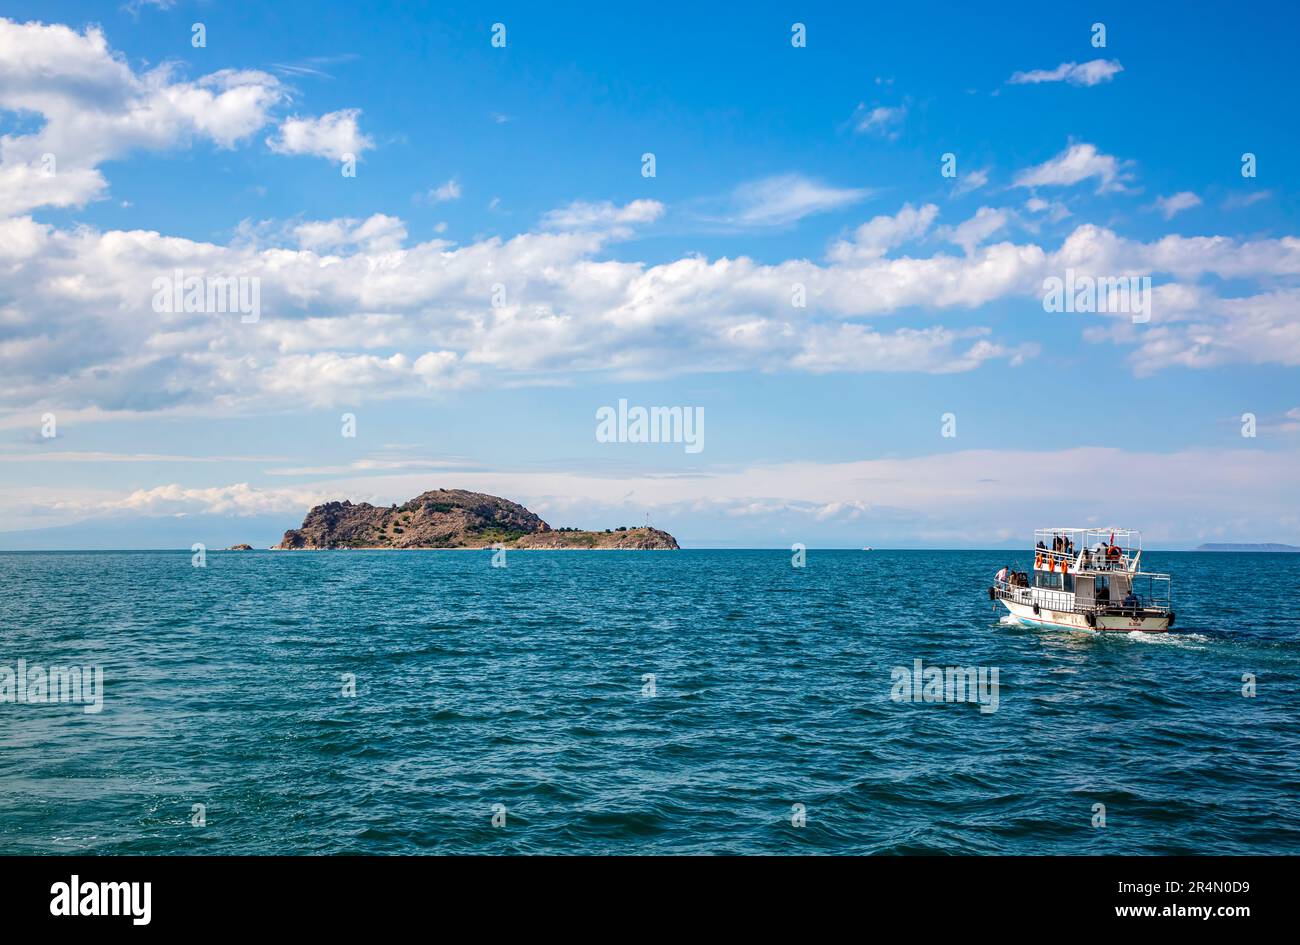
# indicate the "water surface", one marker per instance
pixel 525 686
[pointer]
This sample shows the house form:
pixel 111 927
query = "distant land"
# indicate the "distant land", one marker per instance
pixel 454 518
pixel 1266 546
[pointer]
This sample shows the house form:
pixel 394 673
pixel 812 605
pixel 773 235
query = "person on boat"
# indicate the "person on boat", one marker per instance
pixel 1112 554
pixel 1131 601
pixel 1001 577
pixel 1087 559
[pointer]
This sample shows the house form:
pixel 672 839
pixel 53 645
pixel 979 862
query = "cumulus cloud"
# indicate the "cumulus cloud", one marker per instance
pixel 95 108
pixel 1078 162
pixel 378 233
pixel 977 229
pixel 880 234
pixel 333 135
pixel 582 215
pixel 240 499
pixel 351 311
pixel 1088 73
pixel 1213 331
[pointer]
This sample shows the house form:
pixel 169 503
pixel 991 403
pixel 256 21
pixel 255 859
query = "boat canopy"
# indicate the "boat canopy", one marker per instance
pixel 1128 539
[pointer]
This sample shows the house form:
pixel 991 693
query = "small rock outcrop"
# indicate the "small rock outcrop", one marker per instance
pixel 452 518
pixel 630 539
pixel 240 548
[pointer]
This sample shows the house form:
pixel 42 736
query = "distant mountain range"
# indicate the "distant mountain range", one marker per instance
pixel 1266 546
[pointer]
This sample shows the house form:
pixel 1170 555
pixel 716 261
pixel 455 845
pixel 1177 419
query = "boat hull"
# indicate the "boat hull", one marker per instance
pixel 1069 620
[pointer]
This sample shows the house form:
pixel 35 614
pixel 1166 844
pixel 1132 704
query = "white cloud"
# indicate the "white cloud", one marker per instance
pixel 1183 200
pixel 1088 73
pixel 352 312
pixel 581 215
pixel 94 108
pixel 135 6
pixel 332 135
pixel 933 350
pixel 786 199
pixel 971 180
pixel 1238 201
pixel 1212 331
pixel 448 191
pixel 880 234
pixel 971 233
pixel 378 233
pixel 240 499
pixel 1079 162
pixel 881 120
pixel 1055 210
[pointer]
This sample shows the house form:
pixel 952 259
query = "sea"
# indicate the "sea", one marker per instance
pixel 608 702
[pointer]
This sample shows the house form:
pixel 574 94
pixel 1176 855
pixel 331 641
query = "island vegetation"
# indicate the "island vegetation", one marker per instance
pixel 455 518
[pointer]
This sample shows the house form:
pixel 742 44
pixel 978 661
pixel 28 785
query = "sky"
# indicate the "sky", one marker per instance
pixel 464 230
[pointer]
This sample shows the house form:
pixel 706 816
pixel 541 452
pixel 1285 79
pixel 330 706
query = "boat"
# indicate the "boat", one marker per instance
pixel 1088 579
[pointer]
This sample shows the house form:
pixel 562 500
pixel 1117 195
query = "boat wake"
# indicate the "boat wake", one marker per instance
pixel 1185 640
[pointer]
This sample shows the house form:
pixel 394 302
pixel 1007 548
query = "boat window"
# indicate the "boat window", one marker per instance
pixel 1048 579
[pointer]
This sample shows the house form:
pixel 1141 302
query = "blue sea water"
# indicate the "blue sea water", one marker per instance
pixel 525 686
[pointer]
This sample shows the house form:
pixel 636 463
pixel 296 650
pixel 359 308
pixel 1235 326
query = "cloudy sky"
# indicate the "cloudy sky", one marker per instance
pixel 840 258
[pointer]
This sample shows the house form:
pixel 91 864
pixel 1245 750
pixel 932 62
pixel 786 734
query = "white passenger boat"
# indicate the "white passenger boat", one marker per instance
pixel 1087 579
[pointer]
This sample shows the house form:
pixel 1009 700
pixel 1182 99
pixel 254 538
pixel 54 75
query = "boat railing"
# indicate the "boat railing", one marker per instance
pixel 1066 601
pixel 1012 592
pixel 1056 600
pixel 1045 559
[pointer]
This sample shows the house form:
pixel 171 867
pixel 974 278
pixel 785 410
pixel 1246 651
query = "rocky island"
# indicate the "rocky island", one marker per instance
pixel 454 518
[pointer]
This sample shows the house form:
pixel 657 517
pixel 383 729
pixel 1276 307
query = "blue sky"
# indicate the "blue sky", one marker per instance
pixel 522 166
